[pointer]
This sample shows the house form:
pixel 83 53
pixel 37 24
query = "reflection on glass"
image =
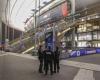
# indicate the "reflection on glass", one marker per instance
pixel 89 36
pixel 95 35
pixel 82 44
pixel 95 27
pixel 98 35
pixel 98 44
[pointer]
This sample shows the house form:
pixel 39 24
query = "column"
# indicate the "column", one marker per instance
pixel 73 33
pixel 0 32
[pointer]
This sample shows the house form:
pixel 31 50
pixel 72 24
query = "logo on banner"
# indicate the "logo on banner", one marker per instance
pixel 91 52
pixel 82 52
pixel 49 39
pixel 78 53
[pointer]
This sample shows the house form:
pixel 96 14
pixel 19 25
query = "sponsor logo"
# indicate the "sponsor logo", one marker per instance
pixel 91 52
pixel 83 52
pixel 78 53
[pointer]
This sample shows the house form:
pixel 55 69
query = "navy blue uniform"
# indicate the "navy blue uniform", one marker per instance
pixel 40 57
pixel 56 61
pixel 48 60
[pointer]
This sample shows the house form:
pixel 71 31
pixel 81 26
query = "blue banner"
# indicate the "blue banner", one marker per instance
pixel 49 39
pixel 98 50
pixel 85 51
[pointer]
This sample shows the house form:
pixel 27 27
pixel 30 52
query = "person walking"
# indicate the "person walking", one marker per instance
pixel 40 57
pixel 56 60
pixel 48 60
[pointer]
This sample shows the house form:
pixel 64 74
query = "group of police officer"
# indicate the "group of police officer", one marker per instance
pixel 49 60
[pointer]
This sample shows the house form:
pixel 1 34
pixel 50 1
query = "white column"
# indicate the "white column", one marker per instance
pixel 73 6
pixel 73 12
pixel 0 30
pixel 35 23
pixel 13 33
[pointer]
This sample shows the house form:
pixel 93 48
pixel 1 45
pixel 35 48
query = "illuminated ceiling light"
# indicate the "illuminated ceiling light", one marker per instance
pixel 88 18
pixel 96 16
pixel 82 19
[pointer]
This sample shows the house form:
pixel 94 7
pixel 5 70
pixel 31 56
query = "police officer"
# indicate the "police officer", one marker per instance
pixel 40 57
pixel 48 60
pixel 56 60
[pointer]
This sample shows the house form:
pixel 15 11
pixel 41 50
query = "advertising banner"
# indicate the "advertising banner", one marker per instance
pixel 53 14
pixel 85 51
pixel 98 50
pixel 49 39
pixel 76 53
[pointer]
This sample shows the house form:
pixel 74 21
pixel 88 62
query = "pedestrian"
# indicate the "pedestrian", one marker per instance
pixel 56 60
pixel 40 57
pixel 48 60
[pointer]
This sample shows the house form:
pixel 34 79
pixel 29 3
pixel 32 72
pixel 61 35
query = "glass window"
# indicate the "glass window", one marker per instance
pixel 89 36
pixel 79 44
pixel 81 28
pixel 95 44
pixel 82 44
pixel 96 27
pixel 82 36
pixel 95 35
pixel 98 35
pixel 89 28
pixel 75 37
pixel 79 37
pixel 98 44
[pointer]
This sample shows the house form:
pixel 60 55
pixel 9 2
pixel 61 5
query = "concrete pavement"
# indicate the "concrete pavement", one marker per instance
pixel 25 67
pixel 18 68
pixel 94 59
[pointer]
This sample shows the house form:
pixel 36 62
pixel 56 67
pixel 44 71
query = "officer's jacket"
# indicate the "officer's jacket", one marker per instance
pixel 56 55
pixel 48 55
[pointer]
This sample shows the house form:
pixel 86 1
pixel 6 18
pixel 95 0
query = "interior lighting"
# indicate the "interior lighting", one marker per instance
pixel 88 18
pixel 82 19
pixel 96 16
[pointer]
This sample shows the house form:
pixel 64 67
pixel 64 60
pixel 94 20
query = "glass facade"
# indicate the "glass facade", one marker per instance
pixel 87 34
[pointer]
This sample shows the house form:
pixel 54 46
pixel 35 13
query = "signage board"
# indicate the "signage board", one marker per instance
pixel 49 39
pixel 98 50
pixel 54 14
pixel 85 51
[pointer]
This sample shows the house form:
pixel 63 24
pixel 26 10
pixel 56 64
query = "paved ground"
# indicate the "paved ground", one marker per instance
pixel 25 68
pixel 97 75
pixel 95 59
pixel 18 68
pixel 1 65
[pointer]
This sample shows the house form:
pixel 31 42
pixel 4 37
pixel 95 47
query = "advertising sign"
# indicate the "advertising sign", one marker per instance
pixel 54 14
pixel 77 53
pixel 98 50
pixel 49 39
pixel 64 9
pixel 85 51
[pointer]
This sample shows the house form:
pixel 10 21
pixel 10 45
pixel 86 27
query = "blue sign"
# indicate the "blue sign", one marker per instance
pixel 76 53
pixel 85 51
pixel 49 39
pixel 98 50
pixel 90 51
